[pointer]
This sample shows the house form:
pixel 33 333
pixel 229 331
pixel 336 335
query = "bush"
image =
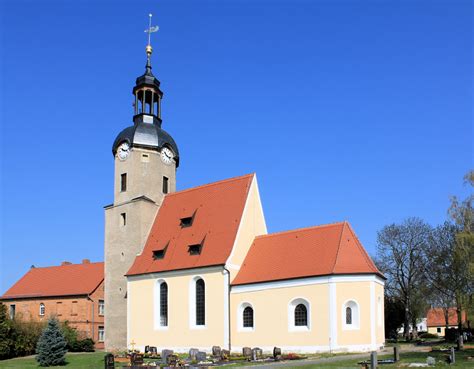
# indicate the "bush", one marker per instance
pixel 85 345
pixel 51 348
pixel 428 335
pixel 27 334
pixel 7 339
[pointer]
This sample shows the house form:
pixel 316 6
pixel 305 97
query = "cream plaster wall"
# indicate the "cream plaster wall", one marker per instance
pixel 251 225
pixel 179 335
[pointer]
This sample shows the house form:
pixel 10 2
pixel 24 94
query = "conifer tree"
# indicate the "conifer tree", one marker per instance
pixel 51 348
pixel 6 334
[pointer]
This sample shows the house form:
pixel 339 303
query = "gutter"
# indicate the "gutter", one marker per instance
pixel 228 306
pixel 92 320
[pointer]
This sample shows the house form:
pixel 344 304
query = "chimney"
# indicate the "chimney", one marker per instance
pixel 86 261
pixel 66 263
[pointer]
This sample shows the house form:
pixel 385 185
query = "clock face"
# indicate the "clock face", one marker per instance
pixel 123 151
pixel 166 155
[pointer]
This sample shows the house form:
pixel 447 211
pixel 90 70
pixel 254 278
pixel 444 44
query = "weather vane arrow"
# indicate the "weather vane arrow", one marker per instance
pixel 151 29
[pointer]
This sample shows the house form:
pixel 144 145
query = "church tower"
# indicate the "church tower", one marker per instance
pixel 146 158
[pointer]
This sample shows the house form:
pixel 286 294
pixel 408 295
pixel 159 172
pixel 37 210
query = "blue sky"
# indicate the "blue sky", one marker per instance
pixel 346 110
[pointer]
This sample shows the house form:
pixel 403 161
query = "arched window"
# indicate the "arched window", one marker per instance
pixel 301 316
pixel 348 315
pixel 164 304
pixel 247 317
pixel 42 309
pixel 200 302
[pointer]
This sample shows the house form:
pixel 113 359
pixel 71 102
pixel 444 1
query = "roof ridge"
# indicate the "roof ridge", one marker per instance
pixel 303 229
pixel 339 245
pixel 66 265
pixel 210 184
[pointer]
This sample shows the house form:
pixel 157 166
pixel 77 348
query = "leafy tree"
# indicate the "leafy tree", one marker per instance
pixel 400 256
pixel 394 316
pixel 51 349
pixel 6 334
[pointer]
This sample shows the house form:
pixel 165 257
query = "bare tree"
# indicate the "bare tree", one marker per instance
pixel 400 256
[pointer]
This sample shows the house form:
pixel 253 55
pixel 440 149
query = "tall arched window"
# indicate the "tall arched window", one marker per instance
pixel 42 309
pixel 200 302
pixel 164 304
pixel 247 318
pixel 301 316
pixel 348 315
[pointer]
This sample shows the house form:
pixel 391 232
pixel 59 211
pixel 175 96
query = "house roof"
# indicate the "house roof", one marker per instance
pixel 315 251
pixel 216 210
pixel 435 317
pixel 64 280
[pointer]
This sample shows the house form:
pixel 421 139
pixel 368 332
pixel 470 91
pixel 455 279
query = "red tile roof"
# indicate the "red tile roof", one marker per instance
pixel 217 209
pixel 435 317
pixel 64 280
pixel 316 251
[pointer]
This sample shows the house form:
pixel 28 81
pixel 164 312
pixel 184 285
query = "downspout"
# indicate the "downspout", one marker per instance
pixel 92 320
pixel 228 306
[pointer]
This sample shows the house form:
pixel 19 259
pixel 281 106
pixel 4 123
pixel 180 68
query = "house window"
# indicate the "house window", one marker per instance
pixel 42 310
pixel 163 304
pixel 123 182
pixel 350 315
pixel 194 249
pixel 12 311
pixel 200 302
pixel 247 317
pixel 301 316
pixel 165 184
pixel 101 335
pixel 101 307
pixel 438 330
pixel 123 219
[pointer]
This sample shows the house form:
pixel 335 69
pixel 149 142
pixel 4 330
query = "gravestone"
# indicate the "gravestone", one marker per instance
pixel 146 349
pixel 257 353
pixel 192 354
pixel 109 361
pixel 172 360
pixel 201 356
pixel 136 359
pixel 153 350
pixel 225 354
pixel 247 352
pixel 216 351
pixel 452 357
pixel 276 352
pixel 165 354
pixel 373 360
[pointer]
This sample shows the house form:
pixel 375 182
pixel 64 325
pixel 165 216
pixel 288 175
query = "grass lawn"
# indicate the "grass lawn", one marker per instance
pixel 93 360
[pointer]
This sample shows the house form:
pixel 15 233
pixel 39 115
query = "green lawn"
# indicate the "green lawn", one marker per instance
pixel 96 361
pixel 93 360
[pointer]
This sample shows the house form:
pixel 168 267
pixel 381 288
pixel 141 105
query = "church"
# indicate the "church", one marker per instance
pixel 197 268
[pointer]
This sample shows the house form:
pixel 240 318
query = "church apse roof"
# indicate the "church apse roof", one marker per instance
pixel 195 227
pixel 316 251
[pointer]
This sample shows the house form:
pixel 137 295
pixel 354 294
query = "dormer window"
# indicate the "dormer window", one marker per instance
pixel 187 222
pixel 195 249
pixel 159 254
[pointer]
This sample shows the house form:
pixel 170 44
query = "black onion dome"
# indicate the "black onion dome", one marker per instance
pixel 149 136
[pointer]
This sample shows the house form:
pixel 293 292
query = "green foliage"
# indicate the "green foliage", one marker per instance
pixel 6 334
pixel 394 316
pixel 70 334
pixel 428 335
pixel 27 334
pixel 85 345
pixel 51 348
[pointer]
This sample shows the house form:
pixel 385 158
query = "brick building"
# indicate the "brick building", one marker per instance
pixel 72 292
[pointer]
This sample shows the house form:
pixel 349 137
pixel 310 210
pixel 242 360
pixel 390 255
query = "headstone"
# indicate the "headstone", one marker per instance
pixel 452 357
pixel 257 353
pixel 201 356
pixel 165 354
pixel 373 360
pixel 247 352
pixel 460 342
pixel 216 351
pixel 147 348
pixel 136 359
pixel 276 352
pixel 225 354
pixel 109 361
pixel 192 354
pixel 396 354
pixel 430 360
pixel 153 350
pixel 172 360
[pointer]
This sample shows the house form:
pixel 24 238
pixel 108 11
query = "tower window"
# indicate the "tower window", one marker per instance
pixel 123 217
pixel 195 249
pixel 165 184
pixel 123 182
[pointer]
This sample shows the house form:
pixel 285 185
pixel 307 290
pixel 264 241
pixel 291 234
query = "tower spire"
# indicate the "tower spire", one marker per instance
pixel 151 29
